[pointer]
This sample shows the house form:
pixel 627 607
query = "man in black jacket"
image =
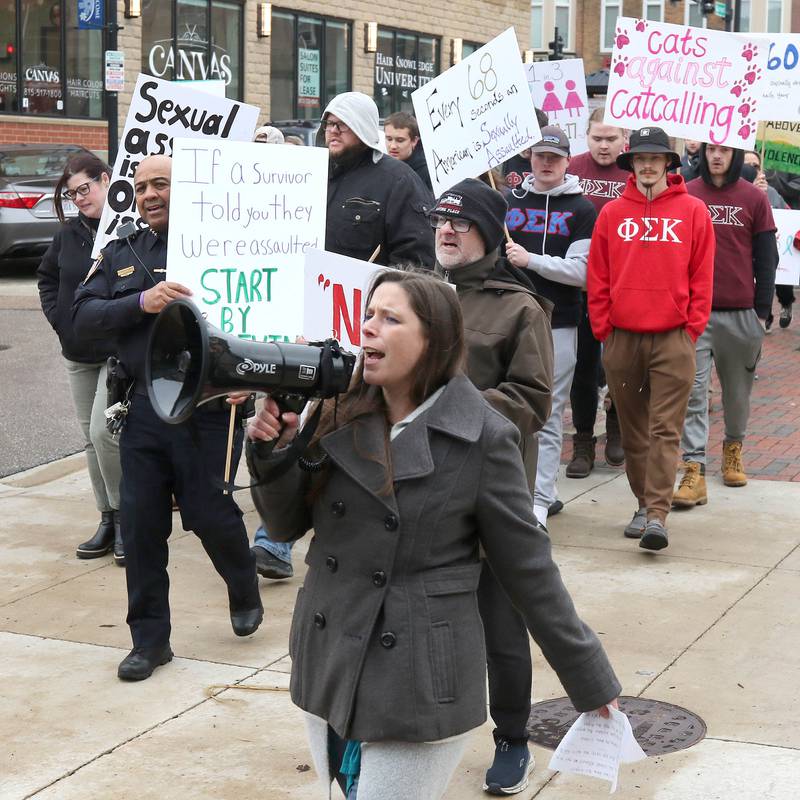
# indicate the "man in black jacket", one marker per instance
pixel 403 142
pixel 373 200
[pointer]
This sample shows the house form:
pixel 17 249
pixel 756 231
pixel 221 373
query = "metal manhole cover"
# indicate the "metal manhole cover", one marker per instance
pixel 658 727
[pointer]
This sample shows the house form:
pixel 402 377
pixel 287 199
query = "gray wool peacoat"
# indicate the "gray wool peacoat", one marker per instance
pixel 386 640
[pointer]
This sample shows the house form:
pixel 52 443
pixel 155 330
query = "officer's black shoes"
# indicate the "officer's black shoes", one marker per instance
pixel 102 541
pixel 119 550
pixel 270 566
pixel 141 661
pixel 246 622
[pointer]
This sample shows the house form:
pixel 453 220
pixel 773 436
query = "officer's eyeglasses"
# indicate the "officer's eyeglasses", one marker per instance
pixel 81 190
pixel 458 225
pixel 330 125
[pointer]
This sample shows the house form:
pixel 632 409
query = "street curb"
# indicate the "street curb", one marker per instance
pixel 45 473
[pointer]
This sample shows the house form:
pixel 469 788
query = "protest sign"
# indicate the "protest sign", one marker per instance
pixel 781 82
pixel 695 83
pixel 779 143
pixel 336 288
pixel 476 115
pixel 242 217
pixel 159 111
pixel 787 222
pixel 559 89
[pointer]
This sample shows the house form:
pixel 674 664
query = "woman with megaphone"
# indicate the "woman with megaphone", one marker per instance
pixel 409 476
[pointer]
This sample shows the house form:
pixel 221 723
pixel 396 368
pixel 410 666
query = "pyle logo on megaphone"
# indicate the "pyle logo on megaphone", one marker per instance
pixel 243 367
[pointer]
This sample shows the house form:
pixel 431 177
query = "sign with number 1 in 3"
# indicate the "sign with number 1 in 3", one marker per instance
pixel 476 115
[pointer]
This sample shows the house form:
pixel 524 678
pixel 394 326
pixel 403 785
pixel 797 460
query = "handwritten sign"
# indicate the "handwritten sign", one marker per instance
pixel 242 218
pixel 695 83
pixel 780 142
pixel 787 222
pixel 476 115
pixel 595 746
pixel 335 291
pixel 559 89
pixel 159 111
pixel 781 83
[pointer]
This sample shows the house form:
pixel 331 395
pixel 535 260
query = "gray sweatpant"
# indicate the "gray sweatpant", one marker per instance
pixel 87 382
pixel 565 348
pixel 733 340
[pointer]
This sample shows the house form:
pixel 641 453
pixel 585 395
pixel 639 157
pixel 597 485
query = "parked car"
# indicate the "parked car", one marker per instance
pixel 306 129
pixel 28 177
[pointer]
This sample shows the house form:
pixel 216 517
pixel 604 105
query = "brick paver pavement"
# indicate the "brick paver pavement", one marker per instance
pixel 772 447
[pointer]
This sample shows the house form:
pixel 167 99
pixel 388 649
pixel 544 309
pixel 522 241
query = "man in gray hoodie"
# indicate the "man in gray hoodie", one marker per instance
pixel 550 222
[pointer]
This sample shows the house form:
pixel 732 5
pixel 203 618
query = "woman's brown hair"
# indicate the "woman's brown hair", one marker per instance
pixel 89 163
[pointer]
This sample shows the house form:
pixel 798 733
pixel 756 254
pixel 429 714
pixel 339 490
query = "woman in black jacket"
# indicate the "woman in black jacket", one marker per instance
pixel 65 264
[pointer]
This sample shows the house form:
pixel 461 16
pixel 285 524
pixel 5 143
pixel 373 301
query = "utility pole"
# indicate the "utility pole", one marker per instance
pixel 112 28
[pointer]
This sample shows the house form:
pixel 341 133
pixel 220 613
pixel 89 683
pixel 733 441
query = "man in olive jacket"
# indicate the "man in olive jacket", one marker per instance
pixel 510 359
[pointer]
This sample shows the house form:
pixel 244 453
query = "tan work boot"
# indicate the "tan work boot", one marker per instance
pixel 732 467
pixel 692 490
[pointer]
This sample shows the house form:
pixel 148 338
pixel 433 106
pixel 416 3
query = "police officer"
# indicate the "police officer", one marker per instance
pixel 120 297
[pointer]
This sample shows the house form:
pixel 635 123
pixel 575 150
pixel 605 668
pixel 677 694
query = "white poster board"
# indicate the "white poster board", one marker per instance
pixel 336 289
pixel 159 111
pixel 476 115
pixel 242 218
pixel 695 83
pixel 781 84
pixel 788 224
pixel 559 89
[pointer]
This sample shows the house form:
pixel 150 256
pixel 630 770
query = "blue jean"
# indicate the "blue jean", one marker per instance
pixel 281 550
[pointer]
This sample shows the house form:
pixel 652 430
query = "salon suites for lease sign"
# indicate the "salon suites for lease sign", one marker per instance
pixel 694 83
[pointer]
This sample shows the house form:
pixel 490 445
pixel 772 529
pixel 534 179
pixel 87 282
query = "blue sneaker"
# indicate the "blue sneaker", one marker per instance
pixel 512 765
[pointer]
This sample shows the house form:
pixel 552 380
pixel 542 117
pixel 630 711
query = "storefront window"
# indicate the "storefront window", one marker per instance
pixel 205 43
pixel 8 55
pixel 310 64
pixel 48 65
pixel 84 70
pixel 403 63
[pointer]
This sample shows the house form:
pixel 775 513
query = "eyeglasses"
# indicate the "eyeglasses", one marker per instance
pixel 458 225
pixel 81 190
pixel 339 127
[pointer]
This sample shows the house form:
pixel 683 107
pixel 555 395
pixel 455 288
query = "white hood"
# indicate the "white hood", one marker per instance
pixel 359 112
pixel 571 185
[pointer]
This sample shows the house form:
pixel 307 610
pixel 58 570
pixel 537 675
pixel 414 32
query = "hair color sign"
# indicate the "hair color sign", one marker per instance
pixel 694 83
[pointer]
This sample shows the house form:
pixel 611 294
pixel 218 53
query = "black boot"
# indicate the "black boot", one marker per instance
pixel 119 552
pixel 102 541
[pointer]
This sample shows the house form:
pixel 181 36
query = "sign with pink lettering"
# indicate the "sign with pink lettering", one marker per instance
pixel 695 83
pixel 334 294
pixel 559 89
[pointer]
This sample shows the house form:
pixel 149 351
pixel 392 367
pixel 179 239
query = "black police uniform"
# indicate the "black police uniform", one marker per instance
pixel 159 459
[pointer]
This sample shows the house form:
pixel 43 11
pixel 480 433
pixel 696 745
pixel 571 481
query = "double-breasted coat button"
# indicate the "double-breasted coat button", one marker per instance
pixel 388 640
pixel 319 620
pixel 337 508
pixel 331 563
pixel 390 522
pixel 379 578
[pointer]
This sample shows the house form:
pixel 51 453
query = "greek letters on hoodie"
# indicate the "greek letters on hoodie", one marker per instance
pixel 555 227
pixel 651 263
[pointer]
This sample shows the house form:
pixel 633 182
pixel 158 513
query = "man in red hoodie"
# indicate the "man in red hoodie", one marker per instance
pixel 649 283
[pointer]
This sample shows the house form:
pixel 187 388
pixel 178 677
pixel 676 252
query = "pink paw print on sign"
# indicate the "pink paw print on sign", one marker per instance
pixel 622 38
pixel 641 26
pixel 746 107
pixel 749 51
pixel 745 130
pixel 752 75
pixel 323 282
pixel 738 88
pixel 620 66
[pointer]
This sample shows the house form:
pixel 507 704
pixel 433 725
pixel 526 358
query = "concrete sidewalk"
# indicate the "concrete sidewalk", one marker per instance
pixel 710 624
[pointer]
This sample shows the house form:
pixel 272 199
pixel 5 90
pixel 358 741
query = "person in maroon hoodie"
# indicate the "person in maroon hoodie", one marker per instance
pixel 744 281
pixel 602 181
pixel 650 276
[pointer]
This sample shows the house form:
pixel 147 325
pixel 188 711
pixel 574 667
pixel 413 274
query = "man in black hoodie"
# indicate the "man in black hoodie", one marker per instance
pixel 510 359
pixel 744 280
pixel 551 224
pixel 403 143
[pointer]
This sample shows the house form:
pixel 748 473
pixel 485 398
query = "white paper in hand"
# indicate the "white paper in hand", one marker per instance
pixel 595 746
